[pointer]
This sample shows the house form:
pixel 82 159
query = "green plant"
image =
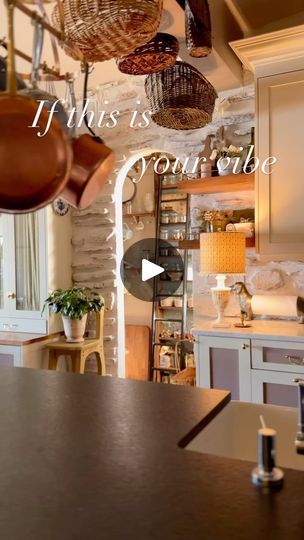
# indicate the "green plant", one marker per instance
pixel 74 302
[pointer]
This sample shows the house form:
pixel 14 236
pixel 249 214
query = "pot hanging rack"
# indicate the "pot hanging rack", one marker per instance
pixel 48 73
pixel 59 34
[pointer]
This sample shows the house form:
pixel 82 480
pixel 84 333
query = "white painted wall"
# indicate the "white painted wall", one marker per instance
pixel 59 263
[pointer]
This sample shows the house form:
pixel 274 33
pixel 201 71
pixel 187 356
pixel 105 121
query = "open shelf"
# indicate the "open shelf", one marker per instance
pixel 170 186
pixel 164 225
pixel 173 308
pixel 139 214
pixel 195 244
pixel 218 184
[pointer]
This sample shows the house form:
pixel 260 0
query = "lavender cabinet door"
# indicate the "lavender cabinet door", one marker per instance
pixel 224 363
pixel 10 356
pixel 274 388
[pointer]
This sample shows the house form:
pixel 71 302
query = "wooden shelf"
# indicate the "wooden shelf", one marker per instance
pixel 189 244
pixel 170 186
pixel 218 184
pixel 195 244
pixel 173 308
pixel 139 214
pixel 183 223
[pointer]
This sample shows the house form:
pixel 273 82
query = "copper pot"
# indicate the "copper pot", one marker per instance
pixel 34 170
pixel 93 163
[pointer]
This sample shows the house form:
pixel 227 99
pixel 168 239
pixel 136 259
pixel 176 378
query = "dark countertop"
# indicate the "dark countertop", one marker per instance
pixel 83 458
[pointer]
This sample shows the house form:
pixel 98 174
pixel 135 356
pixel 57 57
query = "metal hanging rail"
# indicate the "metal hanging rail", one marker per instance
pixel 44 67
pixel 59 35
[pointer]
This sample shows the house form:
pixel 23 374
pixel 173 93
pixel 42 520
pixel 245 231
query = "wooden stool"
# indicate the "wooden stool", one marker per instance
pixel 79 352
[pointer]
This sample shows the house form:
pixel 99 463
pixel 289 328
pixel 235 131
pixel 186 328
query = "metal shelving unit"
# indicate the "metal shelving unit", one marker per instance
pixel 160 316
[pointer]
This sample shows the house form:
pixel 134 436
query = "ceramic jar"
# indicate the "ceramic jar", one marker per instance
pixel 225 166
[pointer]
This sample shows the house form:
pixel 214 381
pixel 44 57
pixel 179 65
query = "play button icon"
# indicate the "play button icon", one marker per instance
pixel 152 269
pixel 149 270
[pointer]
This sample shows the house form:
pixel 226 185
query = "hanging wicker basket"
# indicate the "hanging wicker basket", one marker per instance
pixel 158 54
pixel 198 28
pixel 105 29
pixel 180 97
pixel 35 2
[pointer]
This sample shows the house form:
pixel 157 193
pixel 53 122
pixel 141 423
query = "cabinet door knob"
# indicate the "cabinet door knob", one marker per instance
pixel 11 295
pixel 245 346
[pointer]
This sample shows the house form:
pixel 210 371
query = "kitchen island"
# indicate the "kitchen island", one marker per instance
pixel 84 457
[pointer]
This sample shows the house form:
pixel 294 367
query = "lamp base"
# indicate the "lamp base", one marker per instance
pixel 220 297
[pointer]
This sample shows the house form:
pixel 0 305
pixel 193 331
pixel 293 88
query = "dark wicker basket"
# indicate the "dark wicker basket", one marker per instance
pixel 158 54
pixel 105 29
pixel 198 28
pixel 180 97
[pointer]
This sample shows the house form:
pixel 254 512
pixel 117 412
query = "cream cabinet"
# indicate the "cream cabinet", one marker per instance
pixel 277 63
pixel 280 194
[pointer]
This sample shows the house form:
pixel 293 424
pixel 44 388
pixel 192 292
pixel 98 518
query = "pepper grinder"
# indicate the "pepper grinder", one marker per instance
pixel 266 474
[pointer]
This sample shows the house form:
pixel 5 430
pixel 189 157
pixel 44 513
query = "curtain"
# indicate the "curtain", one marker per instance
pixel 27 261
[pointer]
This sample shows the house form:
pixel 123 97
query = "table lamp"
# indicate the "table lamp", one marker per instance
pixel 222 253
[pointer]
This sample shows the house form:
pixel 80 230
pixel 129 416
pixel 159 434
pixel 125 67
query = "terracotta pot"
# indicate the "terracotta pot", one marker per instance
pixel 74 329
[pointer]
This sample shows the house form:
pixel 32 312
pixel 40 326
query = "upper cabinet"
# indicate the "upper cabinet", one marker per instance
pixel 23 272
pixel 277 61
pixel 35 257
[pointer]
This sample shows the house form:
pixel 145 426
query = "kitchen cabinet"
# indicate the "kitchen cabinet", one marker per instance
pixel 23 272
pixel 280 120
pixel 10 356
pixel 255 366
pixel 274 388
pixel 224 363
pixel 277 62
pixel 29 350
pixel 275 366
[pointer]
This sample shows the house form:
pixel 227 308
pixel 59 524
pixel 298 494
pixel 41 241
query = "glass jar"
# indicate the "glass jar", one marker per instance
pixel 165 217
pixel 164 234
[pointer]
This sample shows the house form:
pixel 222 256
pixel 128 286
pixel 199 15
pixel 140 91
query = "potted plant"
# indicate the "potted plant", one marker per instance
pixel 227 162
pixel 74 305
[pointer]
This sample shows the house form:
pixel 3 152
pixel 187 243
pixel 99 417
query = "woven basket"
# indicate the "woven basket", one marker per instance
pixel 198 28
pixel 105 29
pixel 186 377
pixel 180 97
pixel 157 55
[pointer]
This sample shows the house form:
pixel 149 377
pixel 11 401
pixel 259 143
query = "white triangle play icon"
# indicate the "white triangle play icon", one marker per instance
pixel 150 270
